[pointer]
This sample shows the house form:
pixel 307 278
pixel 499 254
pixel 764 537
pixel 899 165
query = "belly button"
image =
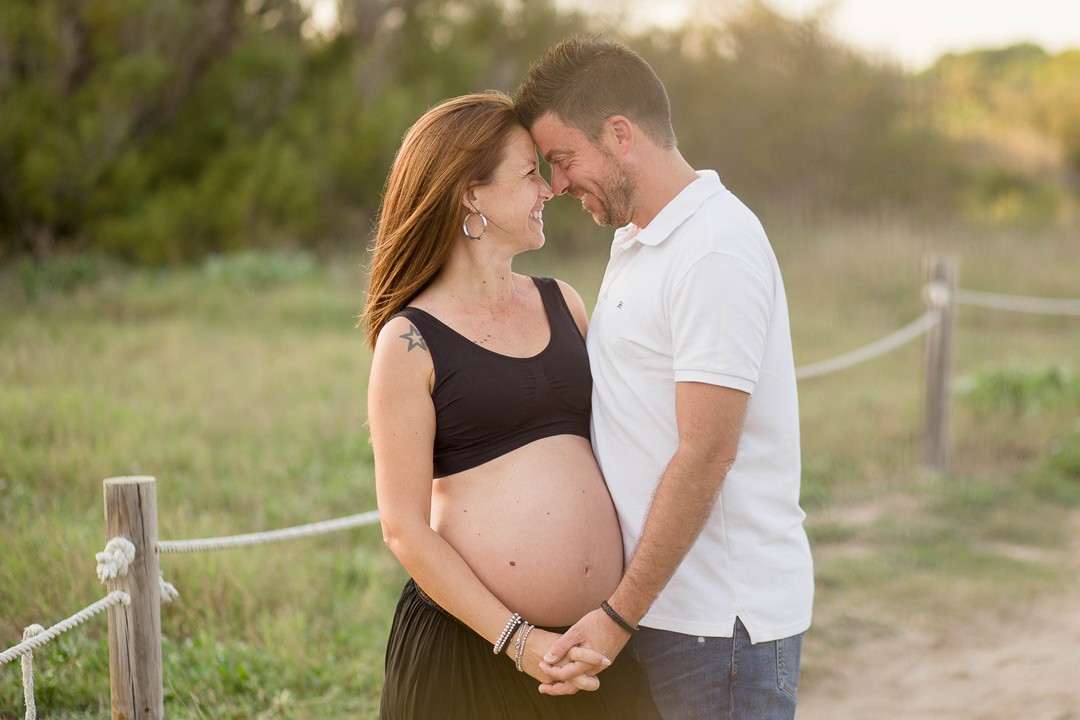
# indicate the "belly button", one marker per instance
pixel 588 569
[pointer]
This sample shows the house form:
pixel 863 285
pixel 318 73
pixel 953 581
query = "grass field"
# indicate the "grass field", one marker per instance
pixel 240 385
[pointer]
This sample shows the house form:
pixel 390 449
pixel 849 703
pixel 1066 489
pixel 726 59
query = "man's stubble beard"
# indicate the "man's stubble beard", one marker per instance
pixel 615 197
pixel 617 207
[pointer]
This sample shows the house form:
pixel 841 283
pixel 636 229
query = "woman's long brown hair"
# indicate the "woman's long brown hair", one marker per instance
pixel 452 147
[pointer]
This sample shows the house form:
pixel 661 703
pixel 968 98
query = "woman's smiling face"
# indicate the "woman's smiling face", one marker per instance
pixel 513 201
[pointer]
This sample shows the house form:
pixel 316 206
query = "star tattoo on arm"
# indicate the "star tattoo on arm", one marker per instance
pixel 416 340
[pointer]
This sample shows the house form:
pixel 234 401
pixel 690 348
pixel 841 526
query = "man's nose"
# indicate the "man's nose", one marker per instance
pixel 559 183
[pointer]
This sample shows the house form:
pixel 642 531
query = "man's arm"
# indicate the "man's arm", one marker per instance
pixel 709 419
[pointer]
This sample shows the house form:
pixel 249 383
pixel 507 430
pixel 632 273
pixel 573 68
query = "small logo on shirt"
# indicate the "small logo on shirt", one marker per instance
pixel 619 305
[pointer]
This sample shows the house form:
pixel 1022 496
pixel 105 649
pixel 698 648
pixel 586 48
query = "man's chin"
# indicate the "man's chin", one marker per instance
pixel 601 217
pixel 606 220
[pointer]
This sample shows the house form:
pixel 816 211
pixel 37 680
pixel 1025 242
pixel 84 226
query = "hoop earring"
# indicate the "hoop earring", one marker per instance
pixel 465 225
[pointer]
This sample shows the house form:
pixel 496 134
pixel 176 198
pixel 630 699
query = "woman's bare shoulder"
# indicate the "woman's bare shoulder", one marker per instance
pixel 401 352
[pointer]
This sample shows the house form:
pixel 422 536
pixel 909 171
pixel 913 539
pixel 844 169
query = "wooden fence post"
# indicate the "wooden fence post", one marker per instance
pixel 135 680
pixel 940 295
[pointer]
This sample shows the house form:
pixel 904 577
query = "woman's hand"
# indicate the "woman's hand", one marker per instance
pixel 582 664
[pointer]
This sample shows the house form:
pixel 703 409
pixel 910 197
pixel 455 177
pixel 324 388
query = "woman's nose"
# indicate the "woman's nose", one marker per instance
pixel 545 191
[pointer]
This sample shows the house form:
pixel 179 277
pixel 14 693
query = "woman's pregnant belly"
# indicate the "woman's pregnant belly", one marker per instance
pixel 538 528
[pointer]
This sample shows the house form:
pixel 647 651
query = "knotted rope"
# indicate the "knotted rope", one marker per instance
pixel 112 562
pixel 168 590
pixel 115 559
pixel 28 672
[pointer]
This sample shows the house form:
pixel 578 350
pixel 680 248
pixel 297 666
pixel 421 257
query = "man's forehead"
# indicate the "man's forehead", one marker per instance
pixel 553 136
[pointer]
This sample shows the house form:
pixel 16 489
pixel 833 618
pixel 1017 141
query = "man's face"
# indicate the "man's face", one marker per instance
pixel 590 172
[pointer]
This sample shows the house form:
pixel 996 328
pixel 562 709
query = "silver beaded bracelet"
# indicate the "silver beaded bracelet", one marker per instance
pixel 507 633
pixel 519 649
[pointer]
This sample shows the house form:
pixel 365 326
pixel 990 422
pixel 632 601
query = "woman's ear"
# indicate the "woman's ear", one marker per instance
pixel 469 199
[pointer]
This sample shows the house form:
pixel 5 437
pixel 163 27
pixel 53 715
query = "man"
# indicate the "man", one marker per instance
pixel 695 414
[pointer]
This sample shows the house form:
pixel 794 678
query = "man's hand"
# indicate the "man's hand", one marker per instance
pixel 577 670
pixel 597 632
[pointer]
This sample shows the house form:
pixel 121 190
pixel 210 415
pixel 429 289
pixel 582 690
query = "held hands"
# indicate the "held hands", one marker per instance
pixel 594 636
pixel 577 668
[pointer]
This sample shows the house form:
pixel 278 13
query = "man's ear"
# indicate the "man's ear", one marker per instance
pixel 619 132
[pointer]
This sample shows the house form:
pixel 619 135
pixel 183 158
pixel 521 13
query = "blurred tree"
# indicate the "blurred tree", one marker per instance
pixel 791 118
pixel 83 86
pixel 162 130
pixel 1016 113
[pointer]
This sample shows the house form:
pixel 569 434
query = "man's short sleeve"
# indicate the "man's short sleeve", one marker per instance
pixel 719 314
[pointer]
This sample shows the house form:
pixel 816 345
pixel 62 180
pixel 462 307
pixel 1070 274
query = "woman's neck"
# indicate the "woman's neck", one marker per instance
pixel 477 279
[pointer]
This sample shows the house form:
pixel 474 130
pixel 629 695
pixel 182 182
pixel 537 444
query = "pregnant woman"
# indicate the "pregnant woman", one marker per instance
pixel 478 403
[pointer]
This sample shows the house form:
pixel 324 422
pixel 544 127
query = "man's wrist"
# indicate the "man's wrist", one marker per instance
pixel 617 618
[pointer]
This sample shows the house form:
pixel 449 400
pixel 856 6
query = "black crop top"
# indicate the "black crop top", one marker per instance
pixel 487 404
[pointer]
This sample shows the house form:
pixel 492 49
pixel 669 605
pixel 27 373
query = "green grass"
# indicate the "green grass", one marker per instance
pixel 240 385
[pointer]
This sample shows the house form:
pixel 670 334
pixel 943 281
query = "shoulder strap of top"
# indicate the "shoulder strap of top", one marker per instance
pixel 436 336
pixel 420 319
pixel 555 304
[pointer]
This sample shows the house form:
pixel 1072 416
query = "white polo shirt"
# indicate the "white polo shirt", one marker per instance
pixel 697 297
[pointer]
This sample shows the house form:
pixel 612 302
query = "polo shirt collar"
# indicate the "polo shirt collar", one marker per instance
pixel 681 207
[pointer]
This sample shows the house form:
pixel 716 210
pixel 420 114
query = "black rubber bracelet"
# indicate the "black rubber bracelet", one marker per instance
pixel 619 619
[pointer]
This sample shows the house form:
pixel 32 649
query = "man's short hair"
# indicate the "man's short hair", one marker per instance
pixel 584 80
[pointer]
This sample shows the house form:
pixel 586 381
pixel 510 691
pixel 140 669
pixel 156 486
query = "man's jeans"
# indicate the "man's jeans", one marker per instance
pixel 694 678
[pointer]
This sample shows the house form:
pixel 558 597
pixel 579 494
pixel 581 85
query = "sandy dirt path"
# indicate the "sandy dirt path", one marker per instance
pixel 1024 664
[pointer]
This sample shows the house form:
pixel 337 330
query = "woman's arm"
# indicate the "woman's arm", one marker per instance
pixel 402 420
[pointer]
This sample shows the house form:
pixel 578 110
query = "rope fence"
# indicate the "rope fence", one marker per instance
pixel 34 640
pixel 929 319
pixel 114 561
pixel 28 672
pixel 169 547
pixel 910 332
pixel 131 509
pixel 1018 303
pixel 34 636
